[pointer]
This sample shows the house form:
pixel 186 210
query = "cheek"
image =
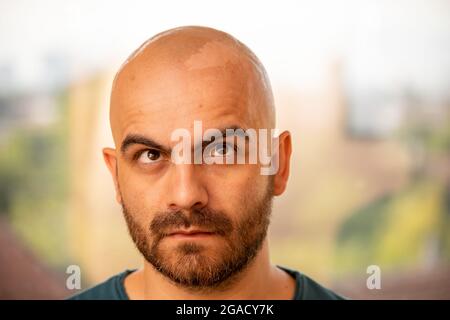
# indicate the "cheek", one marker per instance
pixel 137 186
pixel 139 196
pixel 233 189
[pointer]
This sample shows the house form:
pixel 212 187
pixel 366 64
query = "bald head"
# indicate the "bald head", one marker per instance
pixel 191 71
pixel 173 82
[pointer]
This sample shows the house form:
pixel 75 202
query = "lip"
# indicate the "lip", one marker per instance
pixel 190 234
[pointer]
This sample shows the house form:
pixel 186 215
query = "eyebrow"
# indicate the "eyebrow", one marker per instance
pixel 132 139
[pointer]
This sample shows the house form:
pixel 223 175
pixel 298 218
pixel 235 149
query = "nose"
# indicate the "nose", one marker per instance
pixel 186 189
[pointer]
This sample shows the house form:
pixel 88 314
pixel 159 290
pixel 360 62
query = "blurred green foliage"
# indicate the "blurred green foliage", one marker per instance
pixel 398 230
pixel 410 227
pixel 33 188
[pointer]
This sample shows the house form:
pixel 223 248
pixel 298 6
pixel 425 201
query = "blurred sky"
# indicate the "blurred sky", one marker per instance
pixel 384 43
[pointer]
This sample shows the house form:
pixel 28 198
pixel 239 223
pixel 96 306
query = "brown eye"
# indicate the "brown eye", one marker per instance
pixel 150 156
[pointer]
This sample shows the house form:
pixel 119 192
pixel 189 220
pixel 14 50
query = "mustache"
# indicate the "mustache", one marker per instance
pixel 204 218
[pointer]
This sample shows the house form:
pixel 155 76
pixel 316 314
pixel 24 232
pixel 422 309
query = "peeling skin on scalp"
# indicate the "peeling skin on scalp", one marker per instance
pixel 205 59
pixel 144 46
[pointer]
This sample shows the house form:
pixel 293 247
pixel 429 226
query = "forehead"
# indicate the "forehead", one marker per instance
pixel 157 99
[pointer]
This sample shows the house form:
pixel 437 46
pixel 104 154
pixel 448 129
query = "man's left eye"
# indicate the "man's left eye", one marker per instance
pixel 222 150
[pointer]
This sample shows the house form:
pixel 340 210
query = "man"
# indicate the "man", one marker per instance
pixel 201 227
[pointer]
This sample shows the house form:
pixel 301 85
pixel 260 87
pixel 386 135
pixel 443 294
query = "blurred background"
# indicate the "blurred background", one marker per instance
pixel 363 86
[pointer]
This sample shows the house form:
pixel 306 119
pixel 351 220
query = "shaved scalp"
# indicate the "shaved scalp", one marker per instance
pixel 193 52
pixel 176 80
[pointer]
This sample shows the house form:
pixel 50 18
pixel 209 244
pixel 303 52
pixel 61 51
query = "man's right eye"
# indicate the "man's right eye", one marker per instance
pixel 149 156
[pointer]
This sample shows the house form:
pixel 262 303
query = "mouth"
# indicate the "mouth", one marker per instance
pixel 190 234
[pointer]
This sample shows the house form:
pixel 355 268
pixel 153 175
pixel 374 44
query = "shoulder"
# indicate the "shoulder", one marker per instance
pixel 111 289
pixel 308 289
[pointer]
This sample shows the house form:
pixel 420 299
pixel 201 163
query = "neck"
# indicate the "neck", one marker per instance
pixel 259 280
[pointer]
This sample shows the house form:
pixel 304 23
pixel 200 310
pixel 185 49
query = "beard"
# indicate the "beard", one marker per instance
pixel 188 264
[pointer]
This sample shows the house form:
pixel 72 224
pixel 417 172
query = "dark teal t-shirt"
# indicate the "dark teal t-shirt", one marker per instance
pixel 114 289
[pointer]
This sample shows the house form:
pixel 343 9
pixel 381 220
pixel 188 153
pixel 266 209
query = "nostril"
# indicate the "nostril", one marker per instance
pixel 198 205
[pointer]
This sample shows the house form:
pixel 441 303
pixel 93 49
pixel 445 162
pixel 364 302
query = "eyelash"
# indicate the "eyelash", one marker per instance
pixel 228 144
pixel 138 154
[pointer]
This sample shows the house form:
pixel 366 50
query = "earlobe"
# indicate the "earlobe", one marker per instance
pixel 109 155
pixel 284 158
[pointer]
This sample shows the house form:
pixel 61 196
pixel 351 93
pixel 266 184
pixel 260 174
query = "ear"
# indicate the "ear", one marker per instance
pixel 109 155
pixel 284 159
